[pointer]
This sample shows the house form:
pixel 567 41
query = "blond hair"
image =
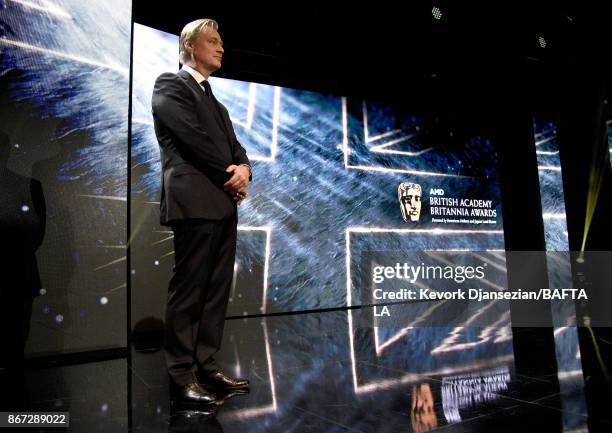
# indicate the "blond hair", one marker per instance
pixel 190 33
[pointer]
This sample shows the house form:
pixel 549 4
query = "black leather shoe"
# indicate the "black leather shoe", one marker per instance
pixel 220 381
pixel 194 393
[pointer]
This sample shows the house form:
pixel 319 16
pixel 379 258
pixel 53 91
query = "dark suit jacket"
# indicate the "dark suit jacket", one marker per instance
pixel 195 150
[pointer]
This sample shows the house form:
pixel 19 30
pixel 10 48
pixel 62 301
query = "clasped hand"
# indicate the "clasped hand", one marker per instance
pixel 238 185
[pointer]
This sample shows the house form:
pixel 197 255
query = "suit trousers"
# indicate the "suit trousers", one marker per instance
pixel 198 293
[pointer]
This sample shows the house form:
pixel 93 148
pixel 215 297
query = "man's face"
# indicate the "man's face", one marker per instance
pixel 411 202
pixel 208 49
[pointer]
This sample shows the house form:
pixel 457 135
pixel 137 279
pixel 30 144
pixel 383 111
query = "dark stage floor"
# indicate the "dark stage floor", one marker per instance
pixel 319 372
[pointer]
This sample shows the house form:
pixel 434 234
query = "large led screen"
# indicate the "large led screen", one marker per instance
pixel 64 91
pixel 326 175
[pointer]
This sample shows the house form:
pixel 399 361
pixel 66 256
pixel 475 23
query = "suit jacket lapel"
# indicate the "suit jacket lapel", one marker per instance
pixel 225 118
pixel 207 102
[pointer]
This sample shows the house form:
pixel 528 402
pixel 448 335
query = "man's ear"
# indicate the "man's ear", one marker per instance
pixel 189 47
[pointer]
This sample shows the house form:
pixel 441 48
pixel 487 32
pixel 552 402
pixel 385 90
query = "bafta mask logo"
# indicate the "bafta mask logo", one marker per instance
pixel 409 196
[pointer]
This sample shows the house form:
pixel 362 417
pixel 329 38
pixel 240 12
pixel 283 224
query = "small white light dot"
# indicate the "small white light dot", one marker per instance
pixel 436 12
pixel 104 407
pixel 59 318
pixel 103 300
pixel 42 291
pixel 240 295
pixel 295 178
pixel 133 271
pixel 156 262
pixel 25 208
pixel 16 146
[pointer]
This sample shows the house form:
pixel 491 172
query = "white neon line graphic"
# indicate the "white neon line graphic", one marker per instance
pixel 349 282
pixel 271 408
pixel 448 344
pixel 554 216
pixel 430 231
pixel 503 334
pixel 268 231
pixel 143 121
pixel 405 330
pixel 104 197
pixel 49 8
pixel 123 71
pixel 500 254
pixel 546 152
pixel 564 375
pixel 382 148
pixel 250 108
pixel 548 131
pixel 163 240
pixel 366 132
pixel 546 140
pixel 114 289
pixel 114 262
pixel 561 329
pixel 237 369
pixel 275 121
pixel 346 150
pixel 275 124
pixel 549 167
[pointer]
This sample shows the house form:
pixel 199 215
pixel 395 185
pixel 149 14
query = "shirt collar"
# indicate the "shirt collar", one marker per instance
pixel 195 74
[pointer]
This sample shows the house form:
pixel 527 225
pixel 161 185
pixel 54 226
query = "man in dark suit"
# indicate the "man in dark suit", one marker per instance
pixel 205 176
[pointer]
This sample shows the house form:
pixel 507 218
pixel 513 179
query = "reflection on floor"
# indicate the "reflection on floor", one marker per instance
pixel 319 372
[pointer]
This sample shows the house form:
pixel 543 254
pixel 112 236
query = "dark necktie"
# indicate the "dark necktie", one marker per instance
pixel 214 103
pixel 208 89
